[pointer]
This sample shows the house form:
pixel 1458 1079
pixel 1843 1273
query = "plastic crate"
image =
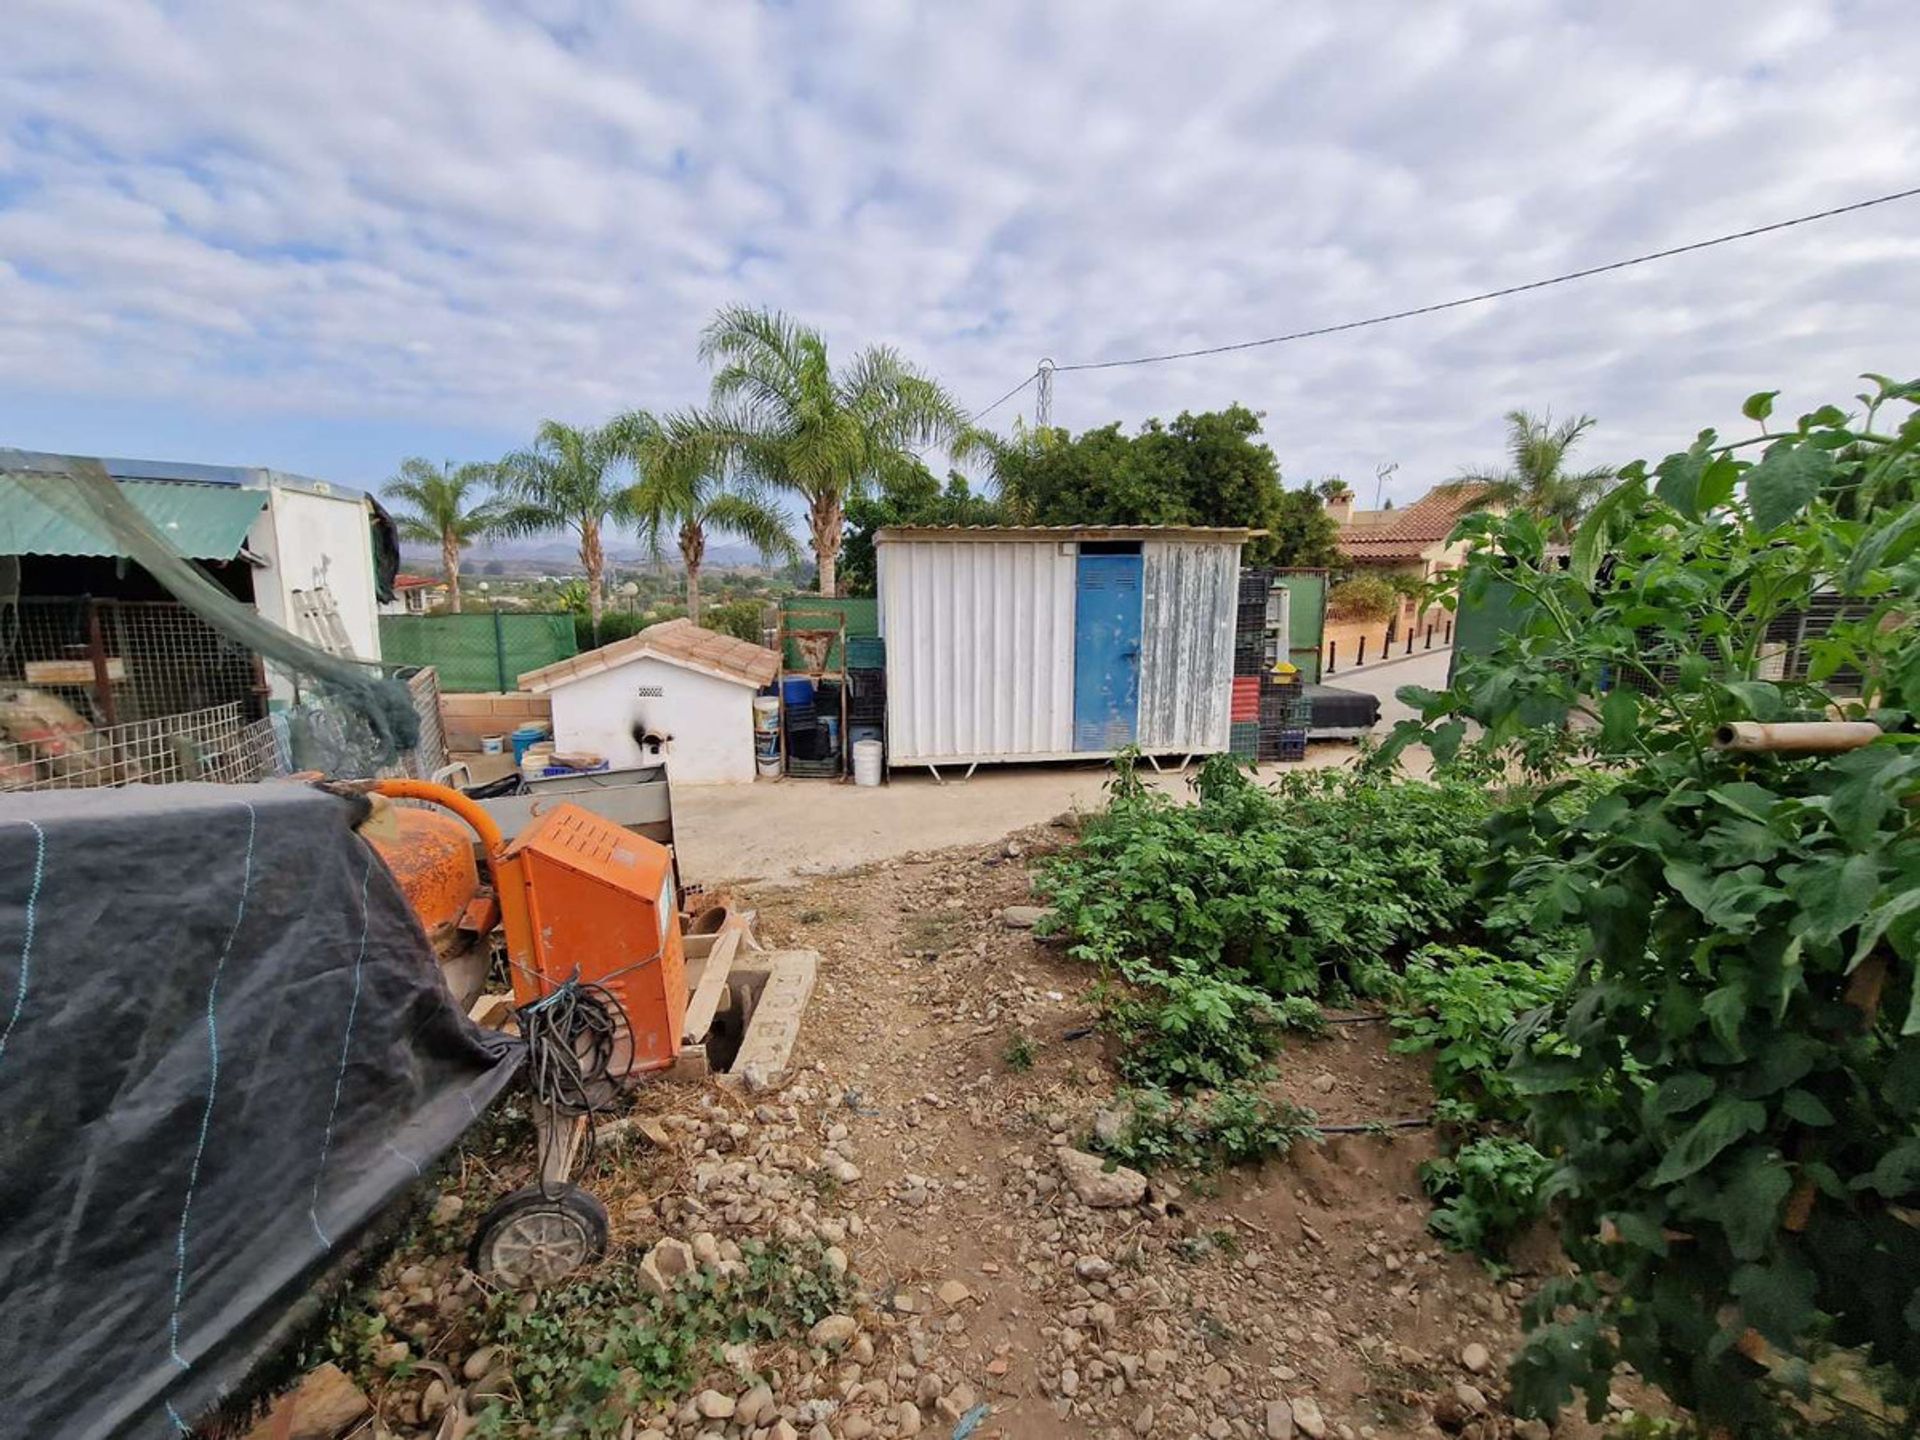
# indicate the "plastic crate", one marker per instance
pixel 1243 740
pixel 1254 585
pixel 1285 745
pixel 866 652
pixel 814 769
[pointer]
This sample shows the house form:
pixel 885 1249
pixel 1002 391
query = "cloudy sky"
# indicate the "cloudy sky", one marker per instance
pixel 322 237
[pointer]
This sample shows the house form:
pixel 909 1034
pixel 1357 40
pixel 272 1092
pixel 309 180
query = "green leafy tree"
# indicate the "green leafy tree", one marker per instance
pixel 1537 477
pixel 914 498
pixel 1204 469
pixel 446 510
pixel 682 488
pixel 1734 1109
pixel 570 479
pixel 785 419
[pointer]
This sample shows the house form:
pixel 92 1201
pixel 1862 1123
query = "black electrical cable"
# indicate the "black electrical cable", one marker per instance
pixel 572 1036
pixel 988 409
pixel 1485 294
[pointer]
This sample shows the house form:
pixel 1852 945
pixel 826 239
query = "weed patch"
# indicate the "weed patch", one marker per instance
pixel 588 1355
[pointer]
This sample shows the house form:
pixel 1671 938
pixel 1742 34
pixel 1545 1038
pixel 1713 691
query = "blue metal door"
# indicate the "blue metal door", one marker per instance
pixel 1106 651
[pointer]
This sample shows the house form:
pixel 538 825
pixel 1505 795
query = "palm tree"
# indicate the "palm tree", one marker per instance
pixel 568 480
pixel 441 514
pixel 682 487
pixel 1536 478
pixel 785 419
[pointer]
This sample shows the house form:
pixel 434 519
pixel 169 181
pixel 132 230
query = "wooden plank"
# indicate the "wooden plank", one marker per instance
pixel 560 1139
pixel 490 1012
pixel 72 672
pixel 713 984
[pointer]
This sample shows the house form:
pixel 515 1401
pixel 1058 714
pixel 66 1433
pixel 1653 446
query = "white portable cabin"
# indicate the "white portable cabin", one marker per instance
pixel 1056 643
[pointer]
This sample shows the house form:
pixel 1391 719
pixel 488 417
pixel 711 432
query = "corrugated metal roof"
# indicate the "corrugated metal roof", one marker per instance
pixel 1212 534
pixel 204 522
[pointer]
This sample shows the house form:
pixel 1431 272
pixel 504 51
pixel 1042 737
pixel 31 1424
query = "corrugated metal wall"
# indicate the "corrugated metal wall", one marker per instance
pixel 1186 646
pixel 979 649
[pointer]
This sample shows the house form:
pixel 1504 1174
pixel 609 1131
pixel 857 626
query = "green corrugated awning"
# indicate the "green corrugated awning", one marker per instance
pixel 203 522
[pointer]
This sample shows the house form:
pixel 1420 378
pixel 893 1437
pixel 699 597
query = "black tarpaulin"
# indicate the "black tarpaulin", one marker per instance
pixel 224 1047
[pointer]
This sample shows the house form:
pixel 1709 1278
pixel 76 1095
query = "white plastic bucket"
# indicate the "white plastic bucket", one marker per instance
pixel 766 713
pixel 770 766
pixel 534 763
pixel 866 761
pixel 492 744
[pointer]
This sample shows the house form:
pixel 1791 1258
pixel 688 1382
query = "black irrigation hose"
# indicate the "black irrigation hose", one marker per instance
pixel 571 1037
pixel 1370 1128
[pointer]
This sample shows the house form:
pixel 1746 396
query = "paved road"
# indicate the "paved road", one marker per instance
pixel 1428 668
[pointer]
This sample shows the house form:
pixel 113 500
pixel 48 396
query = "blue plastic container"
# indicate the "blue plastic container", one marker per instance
pixel 525 736
pixel 797 690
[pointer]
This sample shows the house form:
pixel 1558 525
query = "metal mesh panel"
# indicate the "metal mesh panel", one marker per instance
pixel 117 661
pixel 218 743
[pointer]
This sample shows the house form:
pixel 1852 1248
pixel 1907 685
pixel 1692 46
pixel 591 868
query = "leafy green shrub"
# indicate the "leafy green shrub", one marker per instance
pixel 1236 1125
pixel 1462 1003
pixel 586 1355
pixel 742 619
pixel 1365 597
pixel 1312 887
pixel 1018 1053
pixel 1736 1112
pixel 1184 1027
pixel 1486 1193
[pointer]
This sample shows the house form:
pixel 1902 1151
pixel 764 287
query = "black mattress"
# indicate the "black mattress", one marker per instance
pixel 1336 709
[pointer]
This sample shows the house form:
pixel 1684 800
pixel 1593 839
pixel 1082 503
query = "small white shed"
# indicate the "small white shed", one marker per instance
pixel 687 690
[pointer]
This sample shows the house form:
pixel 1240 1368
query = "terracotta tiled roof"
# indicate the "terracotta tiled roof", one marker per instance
pixel 678 642
pixel 1408 534
pixel 404 581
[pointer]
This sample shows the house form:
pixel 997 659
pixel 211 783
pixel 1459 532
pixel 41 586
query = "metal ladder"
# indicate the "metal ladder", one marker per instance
pixel 317 619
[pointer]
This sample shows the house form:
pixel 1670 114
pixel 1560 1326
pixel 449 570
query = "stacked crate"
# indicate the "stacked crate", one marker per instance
pixel 1284 714
pixel 1250 662
pixel 866 691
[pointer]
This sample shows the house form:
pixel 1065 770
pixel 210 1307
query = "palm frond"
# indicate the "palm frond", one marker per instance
pixel 760 524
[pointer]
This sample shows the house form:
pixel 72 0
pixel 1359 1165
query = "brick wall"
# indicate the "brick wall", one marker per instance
pixel 469 716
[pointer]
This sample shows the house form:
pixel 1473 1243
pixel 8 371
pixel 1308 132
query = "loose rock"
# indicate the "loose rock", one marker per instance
pixel 1099 1187
pixel 832 1332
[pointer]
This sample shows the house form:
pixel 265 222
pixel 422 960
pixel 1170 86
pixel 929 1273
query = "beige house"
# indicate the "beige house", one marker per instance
pixel 1411 541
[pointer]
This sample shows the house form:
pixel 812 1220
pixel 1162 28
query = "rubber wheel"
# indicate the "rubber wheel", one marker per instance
pixel 538 1237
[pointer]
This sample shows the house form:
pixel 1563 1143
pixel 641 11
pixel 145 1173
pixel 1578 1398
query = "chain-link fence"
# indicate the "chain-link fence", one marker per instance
pixel 486 651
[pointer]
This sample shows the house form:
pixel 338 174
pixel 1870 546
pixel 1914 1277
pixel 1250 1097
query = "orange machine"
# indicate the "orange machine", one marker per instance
pixel 580 898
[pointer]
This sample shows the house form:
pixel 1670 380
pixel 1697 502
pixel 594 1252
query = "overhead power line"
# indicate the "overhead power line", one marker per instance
pixel 1463 300
pixel 985 410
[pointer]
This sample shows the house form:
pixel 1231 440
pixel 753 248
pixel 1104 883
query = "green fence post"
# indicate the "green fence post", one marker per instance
pixel 500 650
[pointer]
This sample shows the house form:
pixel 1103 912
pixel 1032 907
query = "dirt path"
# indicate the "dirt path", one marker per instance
pixel 1306 1293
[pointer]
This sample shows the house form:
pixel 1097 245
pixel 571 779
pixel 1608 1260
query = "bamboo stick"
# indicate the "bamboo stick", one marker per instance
pixel 1804 737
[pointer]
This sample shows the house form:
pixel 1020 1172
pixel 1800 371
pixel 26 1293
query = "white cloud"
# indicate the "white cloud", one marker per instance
pixel 478 214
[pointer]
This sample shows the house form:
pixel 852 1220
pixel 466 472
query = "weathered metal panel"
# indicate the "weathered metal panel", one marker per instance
pixel 202 522
pixel 1186 660
pixel 1306 619
pixel 979 649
